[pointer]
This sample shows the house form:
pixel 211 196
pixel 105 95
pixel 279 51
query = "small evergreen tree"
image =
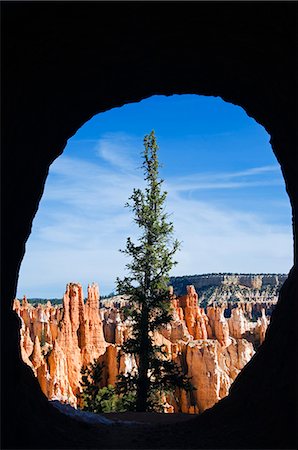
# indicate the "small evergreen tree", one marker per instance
pixel 147 286
pixel 90 384
pixel 97 399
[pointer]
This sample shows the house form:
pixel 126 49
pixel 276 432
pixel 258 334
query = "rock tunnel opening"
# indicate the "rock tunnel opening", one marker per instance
pixel 56 79
pixel 76 180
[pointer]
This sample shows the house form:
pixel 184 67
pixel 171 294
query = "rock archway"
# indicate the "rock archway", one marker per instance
pixel 65 62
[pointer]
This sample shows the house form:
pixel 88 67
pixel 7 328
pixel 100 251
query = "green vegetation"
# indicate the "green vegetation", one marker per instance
pixel 214 280
pixel 105 297
pixel 147 286
pixel 43 301
pixel 97 399
pixel 59 301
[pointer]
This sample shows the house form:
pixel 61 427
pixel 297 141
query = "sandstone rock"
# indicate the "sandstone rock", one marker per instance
pixel 261 328
pixel 115 362
pixel 111 365
pixel 213 368
pixel 70 333
pixel 58 385
pixel 27 342
pixel 218 324
pixel 26 313
pixel 127 363
pixel 237 323
pixel 209 347
pixel 26 346
pixel 120 335
pixel 230 280
pixel 43 378
pixel 202 362
pixel 53 329
pixel 92 341
pixel 17 306
pixel 37 357
pixel 256 282
pixel 109 325
pixel 195 317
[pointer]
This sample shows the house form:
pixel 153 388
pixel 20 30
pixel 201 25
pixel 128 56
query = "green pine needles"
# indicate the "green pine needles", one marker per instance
pixel 151 259
pixel 104 399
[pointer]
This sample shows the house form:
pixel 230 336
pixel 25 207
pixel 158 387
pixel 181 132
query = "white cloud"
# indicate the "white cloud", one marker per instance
pixel 224 180
pixel 119 150
pixel 227 241
pixel 224 185
pixel 81 224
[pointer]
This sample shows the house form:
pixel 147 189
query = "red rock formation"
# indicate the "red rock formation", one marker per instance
pixel 17 306
pixel 42 376
pixel 37 357
pixel 111 365
pixel 109 326
pixel 195 317
pixel 26 312
pixel 92 341
pixel 27 342
pixel 256 282
pixel 177 329
pixel 71 337
pixel 69 333
pixel 213 368
pixel 59 387
pixel 218 324
pixel 262 325
pixel 210 347
pixel 238 324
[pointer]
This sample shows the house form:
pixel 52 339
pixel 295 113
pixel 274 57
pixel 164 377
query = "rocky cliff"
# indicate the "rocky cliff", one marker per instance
pixel 252 281
pixel 211 344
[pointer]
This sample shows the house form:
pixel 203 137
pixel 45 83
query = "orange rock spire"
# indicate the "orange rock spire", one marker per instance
pixel 56 342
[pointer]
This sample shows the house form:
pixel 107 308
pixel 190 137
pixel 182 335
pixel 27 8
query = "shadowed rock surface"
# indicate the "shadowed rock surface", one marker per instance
pixel 65 62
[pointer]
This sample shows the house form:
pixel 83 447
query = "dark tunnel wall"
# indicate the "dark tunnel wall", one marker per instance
pixel 65 62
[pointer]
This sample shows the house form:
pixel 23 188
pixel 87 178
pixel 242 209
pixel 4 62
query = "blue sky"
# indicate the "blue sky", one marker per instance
pixel 226 196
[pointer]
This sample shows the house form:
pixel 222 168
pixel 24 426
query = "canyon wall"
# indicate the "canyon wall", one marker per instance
pixel 210 344
pixel 253 281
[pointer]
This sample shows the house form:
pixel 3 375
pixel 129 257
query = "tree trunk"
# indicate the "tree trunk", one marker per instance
pixel 143 380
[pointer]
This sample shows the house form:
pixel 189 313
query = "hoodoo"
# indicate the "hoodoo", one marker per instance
pixel 211 348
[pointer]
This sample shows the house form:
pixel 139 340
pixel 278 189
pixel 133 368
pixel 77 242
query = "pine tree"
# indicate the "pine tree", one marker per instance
pixel 147 286
pixel 97 399
pixel 90 384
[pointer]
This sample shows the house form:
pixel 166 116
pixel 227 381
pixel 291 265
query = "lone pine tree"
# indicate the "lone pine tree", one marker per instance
pixel 147 286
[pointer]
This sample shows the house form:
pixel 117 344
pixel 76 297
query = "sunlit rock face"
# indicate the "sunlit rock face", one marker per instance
pixel 210 344
pixel 92 341
pixel 65 339
pixel 216 280
pixel 213 367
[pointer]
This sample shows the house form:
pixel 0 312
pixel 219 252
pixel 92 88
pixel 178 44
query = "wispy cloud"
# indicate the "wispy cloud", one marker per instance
pixel 119 150
pixel 81 224
pixel 228 180
pixel 195 186
pixel 256 170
